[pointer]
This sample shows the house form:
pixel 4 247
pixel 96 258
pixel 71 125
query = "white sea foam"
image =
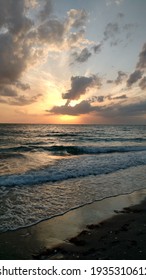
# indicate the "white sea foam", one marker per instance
pixel 26 206
pixel 75 167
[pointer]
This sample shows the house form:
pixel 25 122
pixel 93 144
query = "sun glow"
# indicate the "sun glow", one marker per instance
pixel 66 119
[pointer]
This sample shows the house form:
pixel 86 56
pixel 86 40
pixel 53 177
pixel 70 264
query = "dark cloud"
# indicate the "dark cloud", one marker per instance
pixel 129 26
pixel 82 56
pixel 142 83
pixel 97 48
pixel 134 77
pixel 142 58
pixel 120 15
pixel 119 111
pixel 115 32
pixel 120 77
pixel 84 107
pixel 102 98
pixel 95 98
pixel 134 109
pixel 52 32
pixel 79 85
pixel 9 20
pixel 7 91
pixel 13 58
pixel 22 86
pixel 115 42
pixel 124 111
pixel 111 30
pixel 47 10
pixel 109 81
pixel 15 47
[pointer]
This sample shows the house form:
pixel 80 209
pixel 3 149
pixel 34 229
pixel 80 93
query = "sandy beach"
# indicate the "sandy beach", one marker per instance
pixel 114 228
pixel 122 237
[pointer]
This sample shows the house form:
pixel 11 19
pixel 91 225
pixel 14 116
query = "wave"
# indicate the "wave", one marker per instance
pixel 75 167
pixel 81 150
pixel 72 150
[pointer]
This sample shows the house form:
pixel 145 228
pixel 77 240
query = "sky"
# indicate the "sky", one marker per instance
pixel 73 61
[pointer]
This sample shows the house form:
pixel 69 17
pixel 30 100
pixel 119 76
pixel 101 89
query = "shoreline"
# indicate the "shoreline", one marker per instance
pixel 113 221
pixel 121 237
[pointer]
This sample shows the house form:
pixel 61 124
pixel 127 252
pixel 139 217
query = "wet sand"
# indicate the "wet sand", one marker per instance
pixel 114 228
pixel 122 237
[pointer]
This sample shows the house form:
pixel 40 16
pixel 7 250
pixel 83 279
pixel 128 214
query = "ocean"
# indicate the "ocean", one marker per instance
pixel 47 170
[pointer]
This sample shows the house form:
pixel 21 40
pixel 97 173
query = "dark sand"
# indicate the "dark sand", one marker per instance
pixel 114 228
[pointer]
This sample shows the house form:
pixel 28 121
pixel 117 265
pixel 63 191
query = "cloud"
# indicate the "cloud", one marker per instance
pixel 109 81
pixel 47 10
pixel 134 77
pixel 117 2
pixel 102 98
pixel 75 37
pixel 95 98
pixel 28 31
pixel 22 86
pixel 52 32
pixel 120 77
pixel 123 96
pixel 15 46
pixel 79 85
pixel 115 31
pixel 142 83
pixel 9 20
pixel 119 111
pixel 82 56
pixel 19 100
pixel 13 58
pixel 77 18
pixel 120 15
pixel 142 58
pixel 97 48
pixel 83 107
pixel 24 100
pixel 129 26
pixel 7 91
pixel 111 30
pixel 134 109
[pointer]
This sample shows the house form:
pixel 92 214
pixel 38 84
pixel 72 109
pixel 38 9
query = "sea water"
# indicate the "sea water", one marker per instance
pixel 47 170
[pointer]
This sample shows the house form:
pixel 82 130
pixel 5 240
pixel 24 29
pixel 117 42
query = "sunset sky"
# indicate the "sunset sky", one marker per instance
pixel 73 61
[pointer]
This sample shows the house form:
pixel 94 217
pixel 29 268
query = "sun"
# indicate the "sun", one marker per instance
pixel 66 119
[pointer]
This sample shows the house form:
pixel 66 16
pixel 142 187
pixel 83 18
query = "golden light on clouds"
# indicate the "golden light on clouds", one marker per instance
pixel 60 63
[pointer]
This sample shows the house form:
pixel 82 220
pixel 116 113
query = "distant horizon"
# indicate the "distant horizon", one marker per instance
pixel 77 124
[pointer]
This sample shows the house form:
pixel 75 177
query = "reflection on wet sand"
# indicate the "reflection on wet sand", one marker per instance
pixel 24 243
